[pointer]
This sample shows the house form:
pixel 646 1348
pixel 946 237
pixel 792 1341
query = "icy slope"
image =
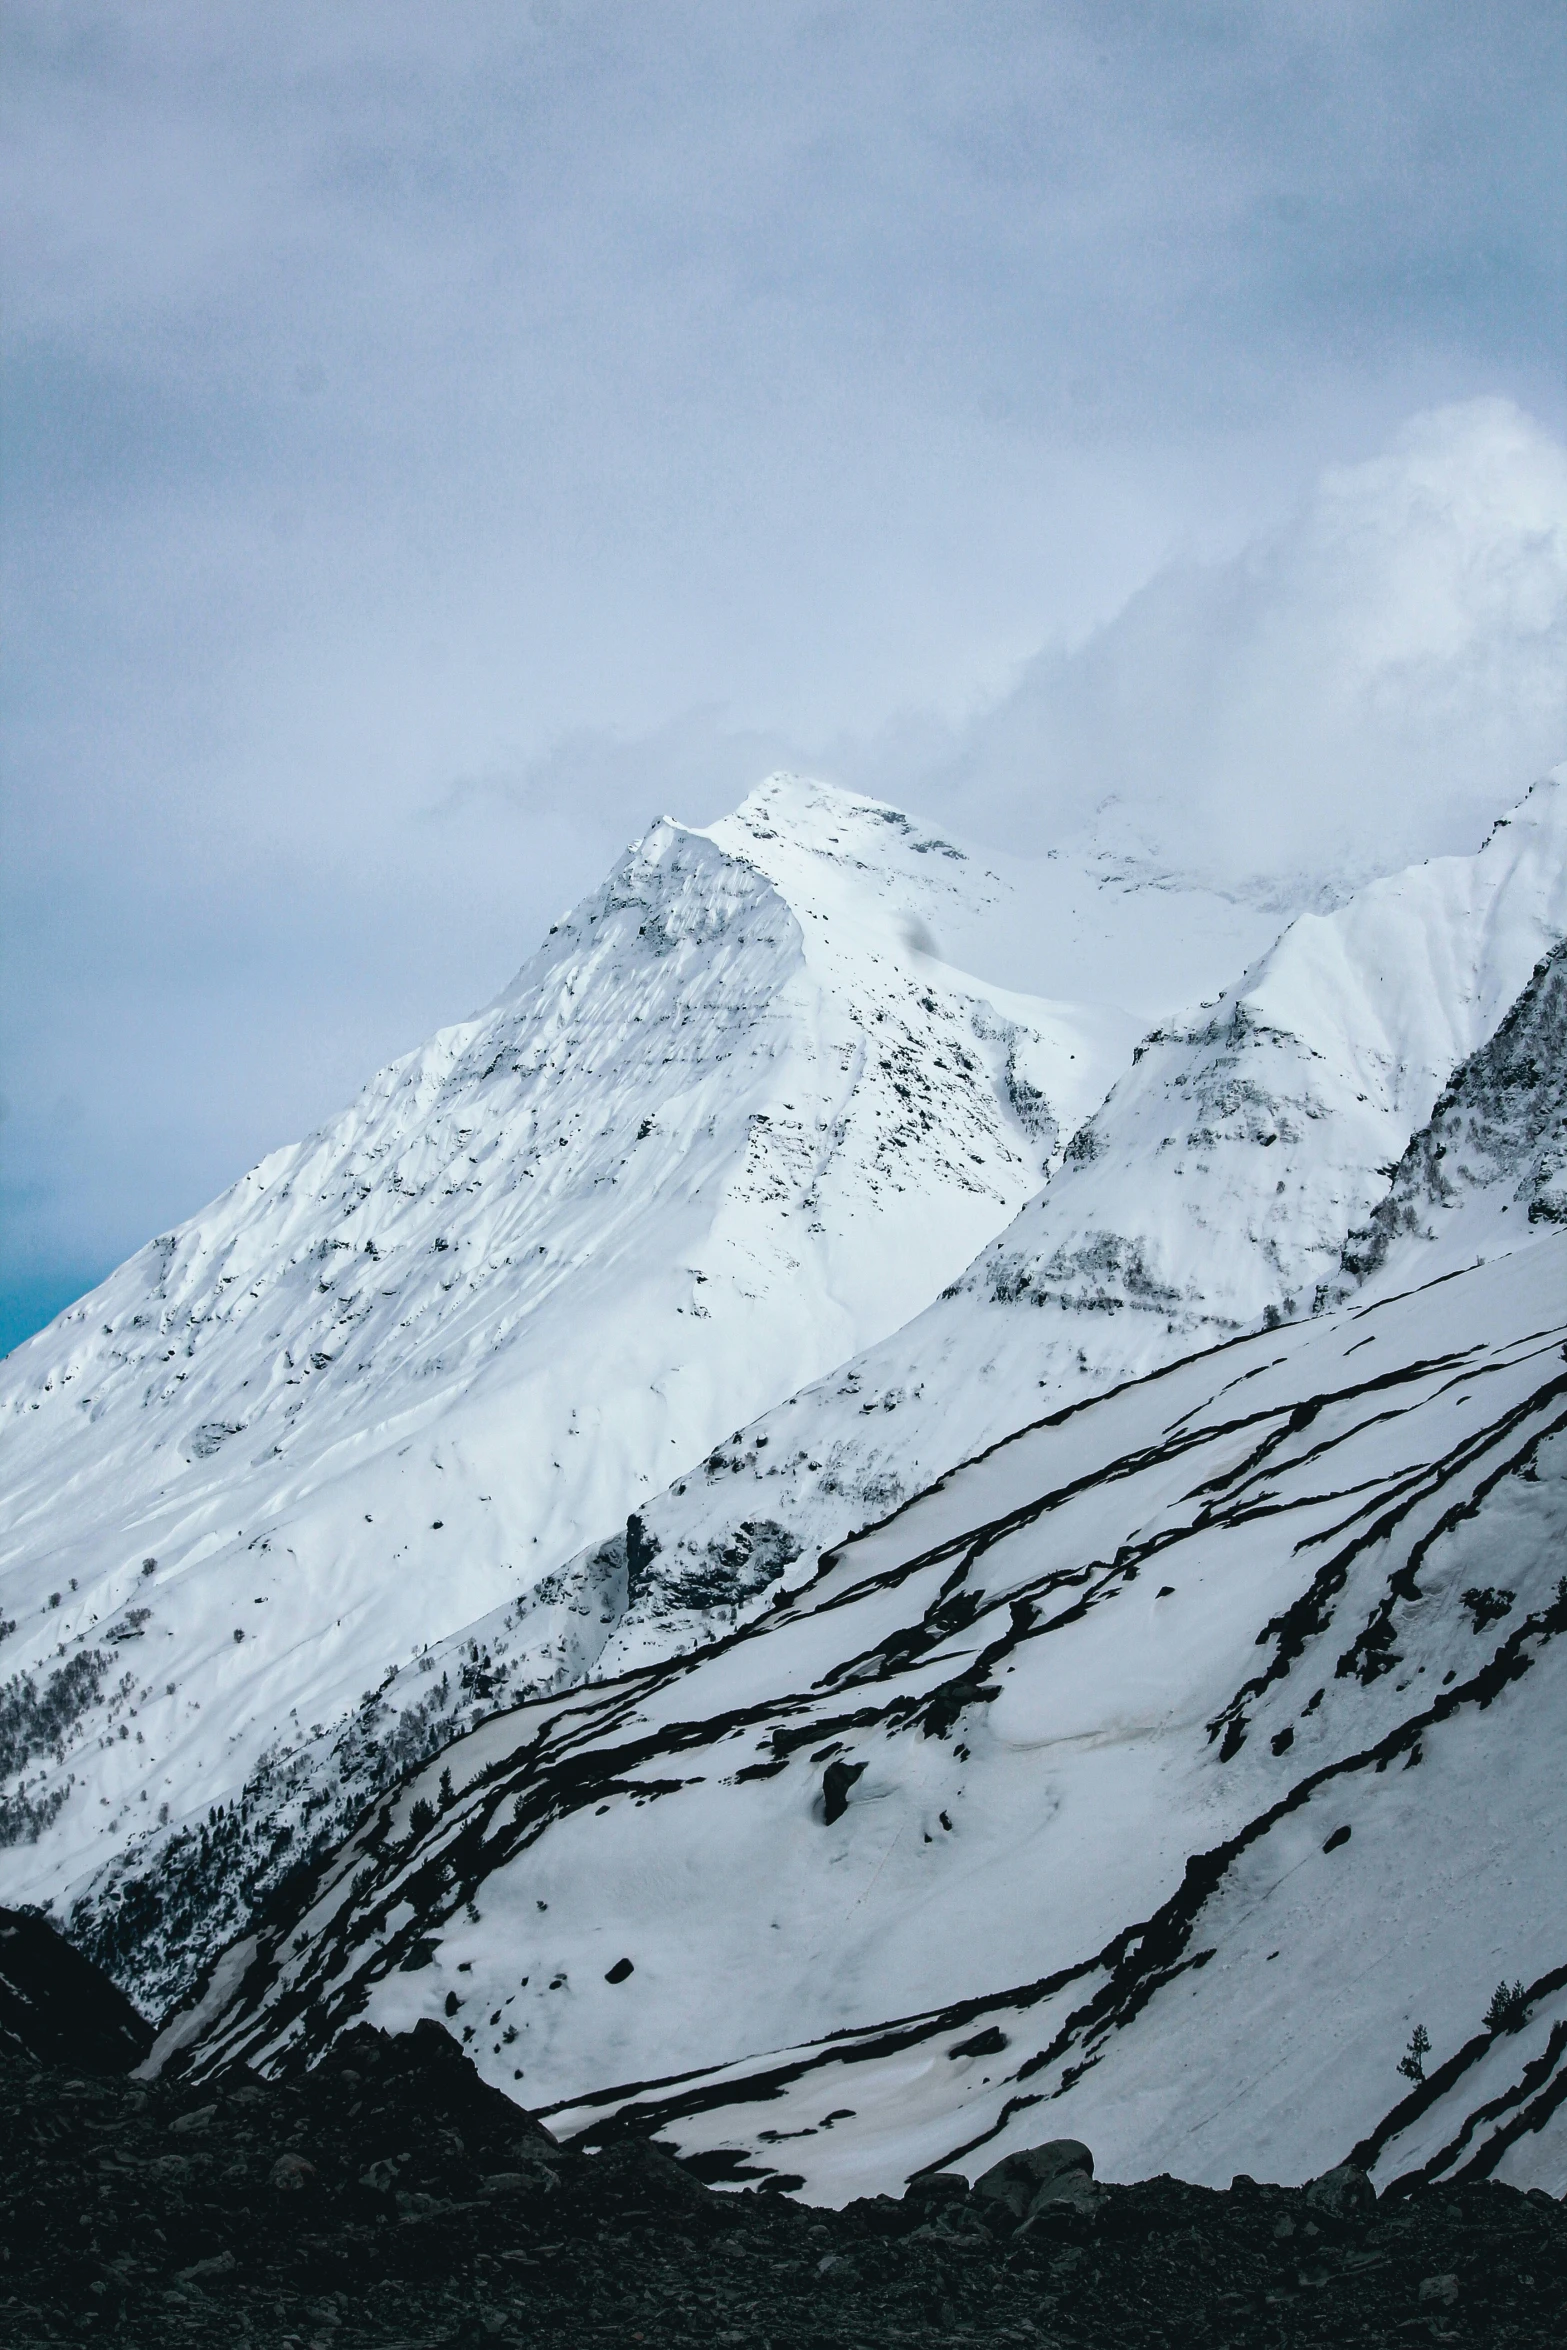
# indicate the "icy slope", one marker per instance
pixel 736 1119
pixel 1147 1781
pixel 1216 1188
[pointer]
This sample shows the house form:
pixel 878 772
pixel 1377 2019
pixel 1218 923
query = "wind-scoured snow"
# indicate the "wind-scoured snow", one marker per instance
pixel 737 1118
pixel 1148 1781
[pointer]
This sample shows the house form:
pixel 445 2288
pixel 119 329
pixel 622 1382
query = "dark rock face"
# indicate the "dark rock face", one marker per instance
pixel 1502 1118
pixel 56 2005
pixel 390 2200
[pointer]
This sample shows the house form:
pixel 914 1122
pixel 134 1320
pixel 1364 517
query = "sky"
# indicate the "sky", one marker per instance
pixel 434 442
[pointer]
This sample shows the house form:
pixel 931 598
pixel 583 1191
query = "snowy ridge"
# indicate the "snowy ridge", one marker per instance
pixel 1496 1143
pixel 735 1119
pixel 1147 1781
pixel 1214 1190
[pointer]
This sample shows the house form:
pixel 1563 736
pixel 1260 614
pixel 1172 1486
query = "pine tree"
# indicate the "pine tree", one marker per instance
pixel 1412 2064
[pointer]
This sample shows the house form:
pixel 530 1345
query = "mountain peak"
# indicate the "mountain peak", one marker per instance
pixel 732 1121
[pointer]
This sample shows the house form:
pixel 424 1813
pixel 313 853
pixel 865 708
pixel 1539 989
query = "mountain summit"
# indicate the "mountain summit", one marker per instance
pixel 736 1119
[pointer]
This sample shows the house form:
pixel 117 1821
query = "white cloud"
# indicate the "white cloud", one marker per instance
pixel 1370 683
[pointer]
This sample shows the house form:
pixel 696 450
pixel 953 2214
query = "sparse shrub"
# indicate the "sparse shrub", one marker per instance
pixel 1509 2008
pixel 36 1721
pixel 1412 2064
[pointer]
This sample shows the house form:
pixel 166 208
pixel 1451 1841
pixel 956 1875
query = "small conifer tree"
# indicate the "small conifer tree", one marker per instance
pixel 1412 2064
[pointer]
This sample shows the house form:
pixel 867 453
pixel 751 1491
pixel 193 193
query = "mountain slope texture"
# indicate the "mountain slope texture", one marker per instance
pixel 1179 1776
pixel 1213 1191
pixel 736 1119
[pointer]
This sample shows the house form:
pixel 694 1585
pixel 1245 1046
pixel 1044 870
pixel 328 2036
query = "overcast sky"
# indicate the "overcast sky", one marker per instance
pixel 437 440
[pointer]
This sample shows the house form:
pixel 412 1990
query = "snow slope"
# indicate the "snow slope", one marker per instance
pixel 1147 1781
pixel 1495 1148
pixel 1215 1189
pixel 736 1119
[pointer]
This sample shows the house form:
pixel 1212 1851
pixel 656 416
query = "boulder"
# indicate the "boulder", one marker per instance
pixel 1060 2171
pixel 937 2186
pixel 1345 2193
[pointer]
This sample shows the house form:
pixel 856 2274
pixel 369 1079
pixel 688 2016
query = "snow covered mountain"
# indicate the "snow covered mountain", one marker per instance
pixel 1214 1190
pixel 738 1118
pixel 1179 1775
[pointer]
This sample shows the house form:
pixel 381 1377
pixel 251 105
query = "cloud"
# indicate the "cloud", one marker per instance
pixel 547 413
pixel 695 767
pixel 1370 683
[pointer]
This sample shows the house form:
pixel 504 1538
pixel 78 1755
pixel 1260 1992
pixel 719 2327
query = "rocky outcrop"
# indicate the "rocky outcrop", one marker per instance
pixel 1500 1126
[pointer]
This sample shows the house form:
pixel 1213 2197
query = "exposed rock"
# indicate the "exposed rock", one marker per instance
pixel 1061 2171
pixel 441 2217
pixel 1343 2193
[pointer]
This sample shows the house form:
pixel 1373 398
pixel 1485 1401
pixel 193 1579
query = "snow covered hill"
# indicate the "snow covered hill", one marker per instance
pixel 1164 1778
pixel 738 1117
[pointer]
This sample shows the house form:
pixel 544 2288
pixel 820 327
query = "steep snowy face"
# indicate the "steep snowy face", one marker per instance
pixel 1148 1781
pixel 730 1123
pixel 1214 1190
pixel 1495 1149
pixel 1219 1180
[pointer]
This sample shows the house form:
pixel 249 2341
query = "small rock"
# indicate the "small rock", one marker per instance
pixel 937 2186
pixel 1443 2291
pixel 199 2119
pixel 291 2174
pixel 222 2264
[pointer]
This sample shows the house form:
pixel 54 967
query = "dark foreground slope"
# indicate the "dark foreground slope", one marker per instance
pixel 55 2004
pixel 391 2198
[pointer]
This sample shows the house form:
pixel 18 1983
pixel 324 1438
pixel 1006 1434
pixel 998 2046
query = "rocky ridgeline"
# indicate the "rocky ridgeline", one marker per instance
pixel 390 2198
